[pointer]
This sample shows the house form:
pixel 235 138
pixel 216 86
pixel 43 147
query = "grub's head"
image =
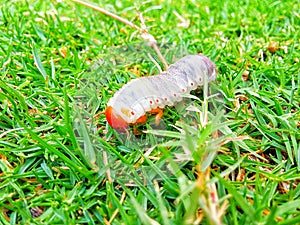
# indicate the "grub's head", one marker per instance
pixel 211 68
pixel 115 120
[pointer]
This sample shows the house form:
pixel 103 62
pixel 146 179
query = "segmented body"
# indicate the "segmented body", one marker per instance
pixel 145 94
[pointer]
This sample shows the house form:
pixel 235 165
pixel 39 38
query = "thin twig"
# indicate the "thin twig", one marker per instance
pixel 151 40
pixel 160 56
pixel 155 63
pixel 105 12
pixel 143 30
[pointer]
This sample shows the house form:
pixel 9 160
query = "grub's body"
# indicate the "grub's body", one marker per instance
pixel 130 104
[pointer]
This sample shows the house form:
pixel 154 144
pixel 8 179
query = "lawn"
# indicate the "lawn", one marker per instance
pixel 230 155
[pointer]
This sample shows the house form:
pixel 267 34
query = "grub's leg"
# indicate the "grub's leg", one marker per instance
pixel 159 114
pixel 140 120
pixel 136 131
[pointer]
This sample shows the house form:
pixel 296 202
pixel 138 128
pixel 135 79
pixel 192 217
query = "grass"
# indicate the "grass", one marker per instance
pixel 60 163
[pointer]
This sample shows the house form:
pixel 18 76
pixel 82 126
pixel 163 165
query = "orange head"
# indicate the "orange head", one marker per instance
pixel 114 119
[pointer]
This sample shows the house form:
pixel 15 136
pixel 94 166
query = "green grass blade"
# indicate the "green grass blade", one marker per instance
pixel 38 63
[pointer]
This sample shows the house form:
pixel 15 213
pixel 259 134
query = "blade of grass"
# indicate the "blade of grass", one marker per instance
pixel 38 63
